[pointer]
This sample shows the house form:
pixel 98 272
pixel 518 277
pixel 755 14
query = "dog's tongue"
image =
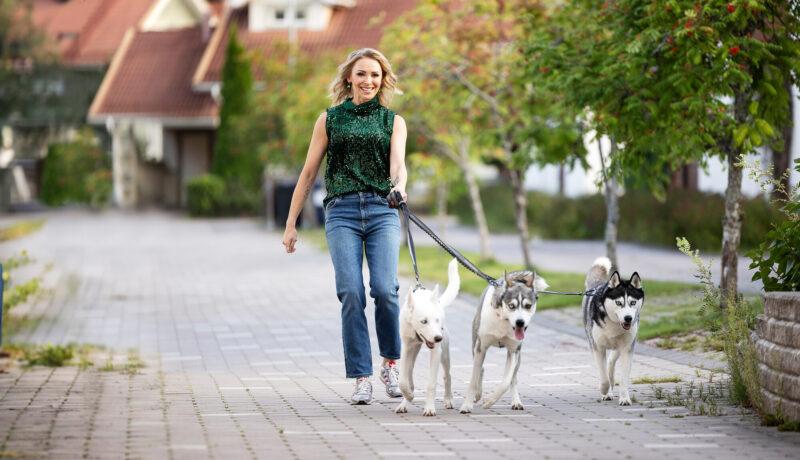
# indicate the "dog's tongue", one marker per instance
pixel 519 333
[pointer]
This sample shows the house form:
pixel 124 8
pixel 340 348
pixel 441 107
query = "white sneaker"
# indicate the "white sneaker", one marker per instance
pixel 390 375
pixel 363 392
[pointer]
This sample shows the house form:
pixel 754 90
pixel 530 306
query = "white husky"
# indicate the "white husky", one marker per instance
pixel 504 314
pixel 422 321
pixel 611 319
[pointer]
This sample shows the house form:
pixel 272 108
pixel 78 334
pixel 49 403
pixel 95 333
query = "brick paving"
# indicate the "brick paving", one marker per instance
pixel 242 359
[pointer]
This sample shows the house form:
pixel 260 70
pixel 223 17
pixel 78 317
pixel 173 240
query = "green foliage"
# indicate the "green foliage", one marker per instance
pixel 76 172
pixel 645 219
pixel 13 293
pixel 731 322
pixel 50 355
pixel 235 160
pixel 659 77
pixel 23 45
pixel 210 196
pixel 282 119
pixel 776 259
pixel 205 194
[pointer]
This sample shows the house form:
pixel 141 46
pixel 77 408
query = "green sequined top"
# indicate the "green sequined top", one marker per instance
pixel 359 142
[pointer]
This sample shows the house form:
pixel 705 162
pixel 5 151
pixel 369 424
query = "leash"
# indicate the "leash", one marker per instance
pixel 396 201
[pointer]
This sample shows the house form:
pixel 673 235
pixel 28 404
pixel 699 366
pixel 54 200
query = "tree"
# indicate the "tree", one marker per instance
pixel 676 80
pixel 235 161
pixel 23 50
pixel 469 47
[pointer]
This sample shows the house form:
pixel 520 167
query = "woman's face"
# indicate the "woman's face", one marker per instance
pixel 365 80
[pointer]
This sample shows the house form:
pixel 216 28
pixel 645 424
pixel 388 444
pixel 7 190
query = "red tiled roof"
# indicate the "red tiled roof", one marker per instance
pixel 153 76
pixel 348 27
pixel 87 32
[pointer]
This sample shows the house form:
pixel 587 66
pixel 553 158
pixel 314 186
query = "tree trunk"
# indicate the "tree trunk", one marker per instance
pixel 269 200
pixel 781 160
pixel 732 226
pixel 561 180
pixel 732 222
pixel 474 198
pixel 441 207
pixel 520 209
pixel 612 204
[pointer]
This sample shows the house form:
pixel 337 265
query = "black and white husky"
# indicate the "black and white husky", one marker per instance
pixel 611 319
pixel 503 316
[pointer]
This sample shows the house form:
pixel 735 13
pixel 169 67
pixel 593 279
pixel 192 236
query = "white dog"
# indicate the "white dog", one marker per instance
pixel 611 319
pixel 503 316
pixel 422 321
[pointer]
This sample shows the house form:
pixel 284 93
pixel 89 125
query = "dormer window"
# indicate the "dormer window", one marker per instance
pixel 282 14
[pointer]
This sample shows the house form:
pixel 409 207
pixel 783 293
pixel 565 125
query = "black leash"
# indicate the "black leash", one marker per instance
pixel 396 201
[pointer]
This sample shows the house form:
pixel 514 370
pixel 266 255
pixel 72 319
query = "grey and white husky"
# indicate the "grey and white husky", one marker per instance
pixel 611 319
pixel 422 321
pixel 504 314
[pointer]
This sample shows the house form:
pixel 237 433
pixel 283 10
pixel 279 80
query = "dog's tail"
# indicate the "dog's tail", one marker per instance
pixel 599 272
pixel 453 284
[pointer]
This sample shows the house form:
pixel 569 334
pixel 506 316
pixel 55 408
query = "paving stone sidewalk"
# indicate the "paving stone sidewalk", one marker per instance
pixel 242 352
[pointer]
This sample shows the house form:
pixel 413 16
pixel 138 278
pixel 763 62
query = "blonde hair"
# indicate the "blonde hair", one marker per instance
pixel 339 87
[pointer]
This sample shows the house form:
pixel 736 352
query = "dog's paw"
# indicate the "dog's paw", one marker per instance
pixel 429 411
pixel 466 408
pixel 448 403
pixel 517 406
pixel 624 401
pixel 608 396
pixel 477 397
pixel 401 409
pixel 487 403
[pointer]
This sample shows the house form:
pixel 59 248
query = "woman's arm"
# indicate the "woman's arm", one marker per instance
pixel 316 151
pixel 397 156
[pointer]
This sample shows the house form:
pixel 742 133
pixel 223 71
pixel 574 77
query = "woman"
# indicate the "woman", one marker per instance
pixel 365 143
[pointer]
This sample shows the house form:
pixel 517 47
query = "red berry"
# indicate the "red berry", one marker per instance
pixel 734 50
pixel 731 8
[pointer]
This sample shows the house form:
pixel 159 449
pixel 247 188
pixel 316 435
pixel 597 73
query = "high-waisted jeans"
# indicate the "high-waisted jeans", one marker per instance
pixel 356 224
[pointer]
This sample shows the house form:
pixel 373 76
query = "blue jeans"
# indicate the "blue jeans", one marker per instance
pixel 361 223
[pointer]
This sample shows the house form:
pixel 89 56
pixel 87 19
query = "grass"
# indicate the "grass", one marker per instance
pixel 671 305
pixel 20 229
pixel 654 380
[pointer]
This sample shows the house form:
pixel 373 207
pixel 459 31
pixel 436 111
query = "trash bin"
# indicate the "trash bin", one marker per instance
pixel 283 201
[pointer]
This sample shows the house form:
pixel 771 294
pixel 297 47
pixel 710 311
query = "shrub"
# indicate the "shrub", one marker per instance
pixel 76 172
pixel 205 195
pixel 731 321
pixel 643 219
pixel 209 196
pixel 775 259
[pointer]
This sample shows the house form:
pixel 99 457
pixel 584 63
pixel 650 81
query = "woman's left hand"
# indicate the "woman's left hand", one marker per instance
pixel 402 192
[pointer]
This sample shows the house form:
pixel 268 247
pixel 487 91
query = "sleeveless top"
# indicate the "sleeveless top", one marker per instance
pixel 359 142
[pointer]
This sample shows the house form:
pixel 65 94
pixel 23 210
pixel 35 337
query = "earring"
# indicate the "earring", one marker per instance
pixel 348 86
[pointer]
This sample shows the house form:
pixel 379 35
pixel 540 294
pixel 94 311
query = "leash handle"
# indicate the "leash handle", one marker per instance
pixel 396 201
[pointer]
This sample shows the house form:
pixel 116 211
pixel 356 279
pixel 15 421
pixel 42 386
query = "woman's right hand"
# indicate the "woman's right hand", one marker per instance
pixel 289 238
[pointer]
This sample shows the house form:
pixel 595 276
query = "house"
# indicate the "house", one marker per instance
pixel 84 34
pixel 160 101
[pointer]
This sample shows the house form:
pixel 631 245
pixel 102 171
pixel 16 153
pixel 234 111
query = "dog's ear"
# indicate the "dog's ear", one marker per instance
pixel 410 301
pixel 528 279
pixel 636 281
pixel 507 278
pixel 614 281
pixel 435 295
